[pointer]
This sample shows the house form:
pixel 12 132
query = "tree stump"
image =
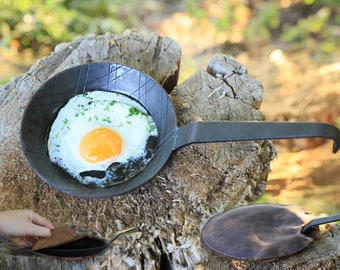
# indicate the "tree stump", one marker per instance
pixel 198 181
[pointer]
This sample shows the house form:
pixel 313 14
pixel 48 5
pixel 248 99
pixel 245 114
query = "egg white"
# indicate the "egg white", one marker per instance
pixel 93 110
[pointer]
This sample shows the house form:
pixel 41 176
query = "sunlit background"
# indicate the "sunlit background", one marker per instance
pixel 290 46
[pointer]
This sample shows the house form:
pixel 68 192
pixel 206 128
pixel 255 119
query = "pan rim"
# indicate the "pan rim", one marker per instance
pixel 114 75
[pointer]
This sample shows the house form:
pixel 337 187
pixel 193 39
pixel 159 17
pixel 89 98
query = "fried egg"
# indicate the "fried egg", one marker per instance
pixel 102 138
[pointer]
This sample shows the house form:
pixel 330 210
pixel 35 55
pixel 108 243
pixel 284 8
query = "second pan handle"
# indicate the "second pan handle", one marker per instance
pixel 223 131
pixel 319 221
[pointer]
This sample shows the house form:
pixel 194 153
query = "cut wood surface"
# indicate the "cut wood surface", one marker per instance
pixel 197 182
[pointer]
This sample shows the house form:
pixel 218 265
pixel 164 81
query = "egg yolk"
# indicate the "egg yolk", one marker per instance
pixel 100 144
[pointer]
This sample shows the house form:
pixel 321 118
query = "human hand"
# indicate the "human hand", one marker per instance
pixel 24 227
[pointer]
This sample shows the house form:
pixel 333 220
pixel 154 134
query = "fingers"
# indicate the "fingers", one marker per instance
pixel 38 231
pixel 24 223
pixel 23 242
pixel 41 221
pixel 40 227
pixel 37 227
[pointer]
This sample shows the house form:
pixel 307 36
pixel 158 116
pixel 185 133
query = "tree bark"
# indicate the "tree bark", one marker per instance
pixel 197 182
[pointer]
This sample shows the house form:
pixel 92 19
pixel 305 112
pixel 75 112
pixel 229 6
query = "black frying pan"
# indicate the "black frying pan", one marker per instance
pixel 42 109
pixel 77 249
pixel 80 248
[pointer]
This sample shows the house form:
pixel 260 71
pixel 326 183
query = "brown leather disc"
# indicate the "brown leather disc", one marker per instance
pixel 257 232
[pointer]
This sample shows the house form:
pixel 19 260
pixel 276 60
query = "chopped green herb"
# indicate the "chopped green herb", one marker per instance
pixel 65 121
pixel 151 128
pixel 128 122
pixel 133 111
pixel 107 119
pixel 81 113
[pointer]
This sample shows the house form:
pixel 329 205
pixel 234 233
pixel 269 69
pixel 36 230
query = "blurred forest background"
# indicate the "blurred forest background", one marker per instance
pixel 31 29
pixel 290 46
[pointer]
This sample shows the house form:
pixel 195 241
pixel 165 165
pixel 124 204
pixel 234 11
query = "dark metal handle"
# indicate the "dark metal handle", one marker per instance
pixel 222 131
pixel 319 221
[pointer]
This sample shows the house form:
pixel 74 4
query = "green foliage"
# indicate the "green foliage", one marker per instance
pixel 264 21
pixel 49 22
pixel 314 29
pixel 36 23
pixel 223 21
pixel 267 23
pixel 315 26
pixel 193 8
pixel 228 12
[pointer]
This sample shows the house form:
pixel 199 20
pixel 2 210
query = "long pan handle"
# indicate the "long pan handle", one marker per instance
pixel 223 131
pixel 319 221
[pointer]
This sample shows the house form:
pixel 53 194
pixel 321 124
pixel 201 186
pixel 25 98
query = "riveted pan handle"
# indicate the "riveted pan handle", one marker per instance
pixel 319 221
pixel 222 131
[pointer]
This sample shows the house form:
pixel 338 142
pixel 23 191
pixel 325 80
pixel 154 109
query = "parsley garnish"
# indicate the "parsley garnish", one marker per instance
pixel 107 119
